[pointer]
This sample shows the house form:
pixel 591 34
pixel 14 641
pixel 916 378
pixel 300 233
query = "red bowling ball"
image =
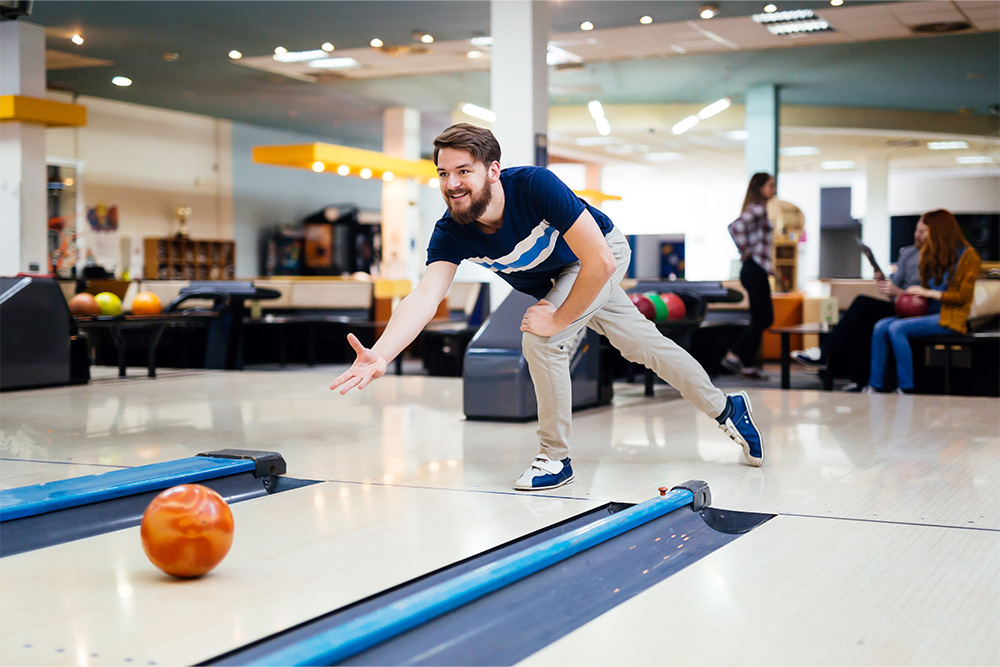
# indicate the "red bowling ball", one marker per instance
pixel 676 310
pixel 645 306
pixel 910 305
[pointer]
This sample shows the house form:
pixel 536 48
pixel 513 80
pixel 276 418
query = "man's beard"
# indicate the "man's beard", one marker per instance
pixel 475 209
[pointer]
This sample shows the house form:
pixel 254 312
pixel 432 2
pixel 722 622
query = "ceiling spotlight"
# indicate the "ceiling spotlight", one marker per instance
pixel 836 3
pixel 327 46
pixel 434 183
pixel 474 54
pixel 586 25
pixel 318 167
pixel 421 36
pixel 280 51
pixel 235 55
pixel 770 8
pixel 122 81
pixel 343 170
pixel 387 176
pixel 646 20
pixel 76 39
pixel 376 43
pixel 365 173
pixel 708 11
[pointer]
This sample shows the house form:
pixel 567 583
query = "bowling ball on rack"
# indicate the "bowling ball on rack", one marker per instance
pixel 676 309
pixel 659 306
pixel 109 303
pixel 84 305
pixel 910 305
pixel 146 303
pixel 187 530
pixel 645 306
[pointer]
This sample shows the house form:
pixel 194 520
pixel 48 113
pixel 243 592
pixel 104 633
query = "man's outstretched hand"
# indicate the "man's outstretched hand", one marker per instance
pixel 367 367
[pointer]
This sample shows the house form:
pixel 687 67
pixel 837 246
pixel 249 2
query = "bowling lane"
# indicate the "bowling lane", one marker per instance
pixel 295 555
pixel 810 591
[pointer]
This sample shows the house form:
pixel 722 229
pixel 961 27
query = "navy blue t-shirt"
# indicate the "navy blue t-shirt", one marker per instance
pixel 528 251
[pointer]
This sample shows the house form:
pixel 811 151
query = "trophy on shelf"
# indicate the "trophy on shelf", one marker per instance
pixel 183 213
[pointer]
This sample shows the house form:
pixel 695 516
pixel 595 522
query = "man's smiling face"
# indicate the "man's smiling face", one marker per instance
pixel 465 185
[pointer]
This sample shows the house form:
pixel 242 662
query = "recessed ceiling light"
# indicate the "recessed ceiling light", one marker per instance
pixel 832 165
pixel 586 25
pixel 335 63
pixel 474 54
pixel 387 176
pixel 76 39
pixel 974 159
pixel 427 38
pixel 836 3
pixel 318 166
pixel 482 113
pixel 328 46
pixel 646 20
pixel 299 56
pixel 795 151
pixel 663 157
pixel 122 81
pixel 235 55
pixel 343 170
pixel 770 8
pixel 433 183
pixel 947 145
pixel 482 41
pixel 280 50
pixel 708 11
pixel 737 135
pixel 376 43
pixel 365 173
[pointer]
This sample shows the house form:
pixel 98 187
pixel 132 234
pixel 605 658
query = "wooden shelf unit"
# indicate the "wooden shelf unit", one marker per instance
pixel 179 258
pixel 786 264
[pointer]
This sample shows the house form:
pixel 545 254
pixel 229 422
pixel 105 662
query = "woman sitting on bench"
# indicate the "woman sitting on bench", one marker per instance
pixel 949 267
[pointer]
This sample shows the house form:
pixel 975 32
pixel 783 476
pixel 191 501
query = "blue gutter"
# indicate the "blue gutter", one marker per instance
pixel 337 644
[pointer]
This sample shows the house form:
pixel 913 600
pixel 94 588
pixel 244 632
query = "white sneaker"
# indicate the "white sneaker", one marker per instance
pixel 544 474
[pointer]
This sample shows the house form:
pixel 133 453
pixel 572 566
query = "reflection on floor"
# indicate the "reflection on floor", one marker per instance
pixel 885 551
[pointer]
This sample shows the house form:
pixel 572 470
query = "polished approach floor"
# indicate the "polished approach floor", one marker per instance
pixel 885 549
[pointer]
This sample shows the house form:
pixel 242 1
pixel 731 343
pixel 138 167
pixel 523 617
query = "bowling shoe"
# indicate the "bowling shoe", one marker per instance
pixel 737 422
pixel 544 474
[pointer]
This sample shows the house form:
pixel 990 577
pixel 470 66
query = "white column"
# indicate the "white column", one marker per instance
pixel 875 231
pixel 400 210
pixel 519 84
pixel 23 212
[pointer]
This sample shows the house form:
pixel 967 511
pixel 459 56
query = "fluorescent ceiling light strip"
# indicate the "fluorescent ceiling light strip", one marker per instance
pixel 603 126
pixel 802 26
pixel 299 56
pixel 783 17
pixel 974 159
pixel 794 151
pixel 684 125
pixel 482 113
pixel 596 110
pixel 947 145
pixel 714 108
pixel 335 63
pixel 482 41
pixel 663 157
pixel 838 164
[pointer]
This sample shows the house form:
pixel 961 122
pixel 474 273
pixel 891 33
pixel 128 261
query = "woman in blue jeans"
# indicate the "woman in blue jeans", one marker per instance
pixel 948 271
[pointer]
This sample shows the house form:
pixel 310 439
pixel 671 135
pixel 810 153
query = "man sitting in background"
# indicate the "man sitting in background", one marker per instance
pixel 846 352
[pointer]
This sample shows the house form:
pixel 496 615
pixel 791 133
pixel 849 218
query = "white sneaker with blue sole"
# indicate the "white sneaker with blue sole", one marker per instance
pixel 737 422
pixel 544 474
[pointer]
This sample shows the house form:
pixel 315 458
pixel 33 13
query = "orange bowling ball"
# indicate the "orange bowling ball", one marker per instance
pixel 187 530
pixel 146 303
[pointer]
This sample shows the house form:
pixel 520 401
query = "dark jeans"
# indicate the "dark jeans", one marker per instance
pixel 848 347
pixel 754 281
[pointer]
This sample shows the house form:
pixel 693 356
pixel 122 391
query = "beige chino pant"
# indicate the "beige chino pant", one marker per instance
pixel 613 315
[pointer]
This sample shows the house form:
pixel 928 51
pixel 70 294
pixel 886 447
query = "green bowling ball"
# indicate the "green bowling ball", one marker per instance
pixel 659 305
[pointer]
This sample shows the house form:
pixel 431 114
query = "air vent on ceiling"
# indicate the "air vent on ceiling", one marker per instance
pixel 941 27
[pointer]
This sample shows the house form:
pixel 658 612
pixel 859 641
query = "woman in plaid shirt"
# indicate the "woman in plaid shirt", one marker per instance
pixel 753 235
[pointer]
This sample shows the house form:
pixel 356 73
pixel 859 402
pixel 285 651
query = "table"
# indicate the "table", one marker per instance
pixel 812 328
pixel 157 323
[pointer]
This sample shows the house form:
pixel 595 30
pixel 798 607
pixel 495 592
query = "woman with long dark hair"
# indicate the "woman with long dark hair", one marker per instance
pixel 753 235
pixel 949 267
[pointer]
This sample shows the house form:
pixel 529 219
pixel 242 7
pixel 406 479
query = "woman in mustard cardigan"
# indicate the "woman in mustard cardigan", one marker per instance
pixel 948 271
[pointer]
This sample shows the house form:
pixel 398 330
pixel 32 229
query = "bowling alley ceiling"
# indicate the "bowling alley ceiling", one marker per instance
pixel 879 55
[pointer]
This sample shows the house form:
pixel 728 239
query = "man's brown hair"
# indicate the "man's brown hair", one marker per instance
pixel 477 140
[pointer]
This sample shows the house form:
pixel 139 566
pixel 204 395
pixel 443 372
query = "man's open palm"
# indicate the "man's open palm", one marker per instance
pixel 367 367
